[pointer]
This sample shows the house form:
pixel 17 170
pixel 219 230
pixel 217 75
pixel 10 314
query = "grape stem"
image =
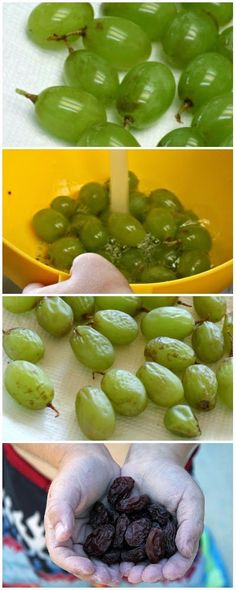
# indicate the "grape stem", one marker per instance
pixel 184 304
pixel 128 120
pixel 97 373
pixel 79 33
pixel 187 104
pixel 52 407
pixel 32 97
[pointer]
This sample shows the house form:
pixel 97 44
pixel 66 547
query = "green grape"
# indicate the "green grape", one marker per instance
pixel 228 141
pixel 81 305
pixel 93 235
pixel 63 251
pixel 138 205
pixel 200 387
pixel 92 349
pixel 54 315
pixel 107 255
pixel 162 386
pixel 132 263
pixel 181 420
pixel 107 135
pixel 125 391
pixel 171 353
pixel 95 413
pixel 210 307
pixel 59 18
pixel 66 112
pixel 157 273
pixel 133 181
pixel 224 375
pixel 185 217
pixel 193 262
pixel 116 325
pixel 194 237
pixel 130 304
pixel 19 303
pixel 228 334
pixel 90 72
pixel 126 229
pixel 152 17
pixel 117 40
pixel 208 342
pixel 225 43
pixel 28 385
pixel 145 94
pixel 174 322
pixel 214 120
pixel 169 257
pixel 79 219
pixel 49 225
pixel 161 224
pixel 222 12
pixel 64 205
pixel 206 76
pixel 161 197
pixel 154 301
pixel 184 137
pixel 93 196
pixel 189 34
pixel 23 344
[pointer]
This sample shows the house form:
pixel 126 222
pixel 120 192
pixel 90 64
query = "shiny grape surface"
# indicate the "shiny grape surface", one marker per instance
pixel 174 322
pixel 184 137
pixel 90 72
pixel 206 76
pixel 59 18
pixel 95 413
pixel 225 43
pixel 125 391
pixel 152 17
pixel 214 120
pixel 107 135
pixel 28 385
pixel 23 344
pixel 222 12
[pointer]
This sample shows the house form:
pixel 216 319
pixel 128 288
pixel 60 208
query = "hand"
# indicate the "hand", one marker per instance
pixel 164 479
pixel 82 479
pixel 90 274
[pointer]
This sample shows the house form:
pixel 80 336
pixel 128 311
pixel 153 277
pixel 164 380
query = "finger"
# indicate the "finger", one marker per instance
pixel 177 566
pixel 92 273
pixel 153 572
pixel 101 574
pixel 135 574
pixel 59 516
pixel 125 568
pixel 32 288
pixel 190 515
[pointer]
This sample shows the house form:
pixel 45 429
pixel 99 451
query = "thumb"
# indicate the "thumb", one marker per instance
pixel 61 505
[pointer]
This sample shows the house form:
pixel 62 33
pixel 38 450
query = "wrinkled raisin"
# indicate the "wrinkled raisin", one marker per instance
pixel 133 504
pixel 120 488
pixel 137 532
pixel 99 540
pixel 169 539
pixel 134 555
pixel 121 525
pixel 155 545
pixel 111 557
pixel 99 515
pixel 159 513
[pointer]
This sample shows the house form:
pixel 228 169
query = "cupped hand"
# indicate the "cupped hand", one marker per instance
pixel 82 479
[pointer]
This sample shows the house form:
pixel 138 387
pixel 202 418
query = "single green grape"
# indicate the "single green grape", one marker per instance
pixel 152 17
pixel 119 327
pixel 138 205
pixel 79 219
pixel 228 141
pixel 162 197
pixel 90 72
pixel 49 225
pixel 161 223
pixel 93 235
pixel 168 256
pixel 206 76
pixel 208 342
pixel 154 301
pixel 156 273
pixel 65 205
pixel 95 413
pixel 210 307
pixel 125 391
pixel 131 263
pixel 23 344
pixel 200 387
pixel 228 334
pixel 93 196
pixel 54 315
pixel 63 251
pixel 171 353
pixel 174 322
pixel 214 120
pixel 92 349
pixel 66 112
pixel 107 135
pixel 224 375
pixel 59 18
pixel 225 43
pixel 184 137
pixel 81 305
pixel 181 420
pixel 193 262
pixel 194 237
pixel 19 303
pixel 126 229
pixel 222 12
pixel 185 217
pixel 189 34
pixel 130 304
pixel 162 386
pixel 28 385
pixel 145 94
pixel 119 41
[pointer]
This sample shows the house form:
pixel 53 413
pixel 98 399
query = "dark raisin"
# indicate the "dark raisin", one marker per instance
pixel 169 538
pixel 159 513
pixel 111 557
pixel 121 488
pixel 121 525
pixel 134 555
pixel 99 515
pixel 99 541
pixel 155 545
pixel 137 532
pixel 133 504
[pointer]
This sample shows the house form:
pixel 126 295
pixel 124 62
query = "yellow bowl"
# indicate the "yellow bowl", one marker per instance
pixel 32 178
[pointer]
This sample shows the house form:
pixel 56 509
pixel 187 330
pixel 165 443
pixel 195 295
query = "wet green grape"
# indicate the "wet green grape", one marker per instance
pixel 168 256
pixel 130 304
pixel 174 322
pixel 95 413
pixel 93 196
pixel 222 12
pixel 152 17
pixel 181 420
pixel 119 327
pixel 185 217
pixel 19 303
pixel 162 386
pixel 157 273
pixel 138 205
pixel 107 135
pixel 90 72
pixel 172 353
pixel 79 219
pixel 145 93
pixel 28 385
pixel 228 334
pixel 193 262
pixel 189 34
pixel 208 342
pixel 131 263
pixel 154 301
pixel 133 181
pixel 126 229
pixel 228 141
pixel 224 375
pixel 93 235
pixel 59 18
pixel 49 225
pixel 125 391
pixel 65 205
pixel 184 137
pixel 81 305
pixel 194 237
pixel 54 315
pixel 206 76
pixel 200 387
pixel 63 251
pixel 210 307
pixel 225 43
pixel 162 197
pixel 161 224
pixel 92 349
pixel 214 120
pixel 23 344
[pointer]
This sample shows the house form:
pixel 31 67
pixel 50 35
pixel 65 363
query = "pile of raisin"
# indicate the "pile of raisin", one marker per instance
pixel 133 528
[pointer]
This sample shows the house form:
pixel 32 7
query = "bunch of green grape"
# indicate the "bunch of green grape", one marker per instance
pixel 121 40
pixel 158 240
pixel 176 374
